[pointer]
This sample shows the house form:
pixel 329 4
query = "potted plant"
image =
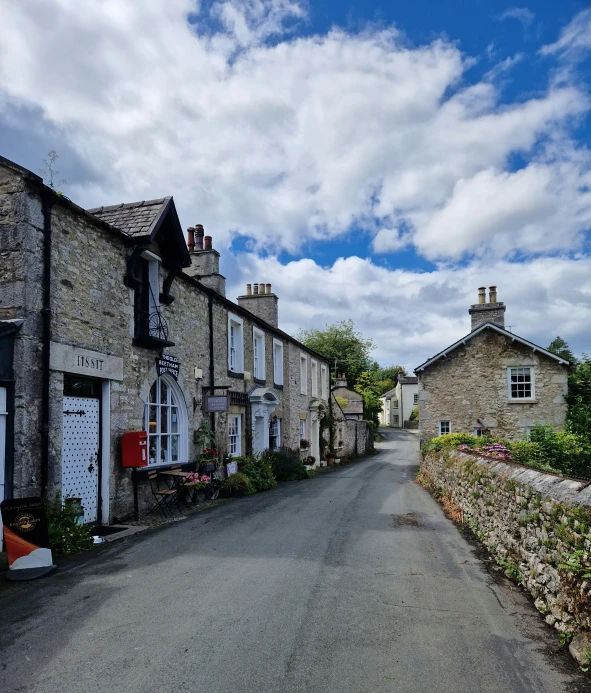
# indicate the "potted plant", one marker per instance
pixel 310 461
pixel 330 458
pixel 304 444
pixel 207 461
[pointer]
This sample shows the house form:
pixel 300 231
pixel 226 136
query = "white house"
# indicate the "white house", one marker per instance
pixel 398 403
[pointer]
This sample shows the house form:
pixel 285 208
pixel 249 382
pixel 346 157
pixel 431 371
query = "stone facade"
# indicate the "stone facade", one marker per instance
pixel 94 335
pixel 469 386
pixel 531 521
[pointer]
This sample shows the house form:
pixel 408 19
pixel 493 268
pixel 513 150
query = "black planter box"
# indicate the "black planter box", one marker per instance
pixel 205 468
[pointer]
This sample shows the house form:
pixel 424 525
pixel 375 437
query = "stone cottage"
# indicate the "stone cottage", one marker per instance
pixel 111 322
pixel 350 401
pixel 491 380
pixel 398 403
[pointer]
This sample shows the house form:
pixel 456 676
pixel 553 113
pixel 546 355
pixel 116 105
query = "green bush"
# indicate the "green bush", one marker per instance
pixel 259 472
pixel 66 535
pixel 238 483
pixel 450 442
pixel 286 464
pixel 567 452
pixel 531 454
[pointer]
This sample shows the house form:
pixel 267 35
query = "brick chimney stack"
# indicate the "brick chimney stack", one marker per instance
pixel 493 311
pixel 262 302
pixel 205 261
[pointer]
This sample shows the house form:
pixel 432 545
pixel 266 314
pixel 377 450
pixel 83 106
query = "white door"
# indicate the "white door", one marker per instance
pixel 260 441
pixel 80 448
pixel 3 415
pixel 315 439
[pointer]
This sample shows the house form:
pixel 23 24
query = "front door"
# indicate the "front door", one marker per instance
pixel 3 416
pixel 260 440
pixel 80 446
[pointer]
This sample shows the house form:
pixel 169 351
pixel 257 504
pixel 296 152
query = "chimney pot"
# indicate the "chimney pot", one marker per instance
pixel 199 236
pixel 492 294
pixel 482 295
pixel 268 289
pixel 207 243
pixel 249 289
pixel 261 288
pixel 191 239
pixel 255 289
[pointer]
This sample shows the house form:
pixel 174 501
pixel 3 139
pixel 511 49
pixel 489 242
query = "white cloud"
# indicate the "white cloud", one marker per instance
pixel 575 38
pixel 302 138
pixel 414 315
pixel 521 14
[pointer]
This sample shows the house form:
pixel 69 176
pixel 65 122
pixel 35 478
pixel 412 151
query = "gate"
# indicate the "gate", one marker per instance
pixel 80 453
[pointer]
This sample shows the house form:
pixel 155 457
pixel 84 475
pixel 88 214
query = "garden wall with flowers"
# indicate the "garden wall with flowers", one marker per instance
pixel 536 524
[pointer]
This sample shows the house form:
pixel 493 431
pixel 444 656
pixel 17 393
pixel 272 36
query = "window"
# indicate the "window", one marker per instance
pixel 166 423
pixel 234 435
pixel 521 383
pixel 482 431
pixel 302 429
pixel 415 398
pixel 395 404
pixel 324 382
pixel 277 362
pixel 314 376
pixel 303 375
pixel 396 419
pixel 444 428
pixel 235 344
pixel 275 434
pixel 149 324
pixel 258 347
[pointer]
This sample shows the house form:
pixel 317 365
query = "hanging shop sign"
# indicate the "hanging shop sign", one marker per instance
pixel 215 403
pixel 27 538
pixel 168 364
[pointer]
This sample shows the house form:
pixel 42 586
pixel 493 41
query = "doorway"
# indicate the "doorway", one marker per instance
pixel 81 444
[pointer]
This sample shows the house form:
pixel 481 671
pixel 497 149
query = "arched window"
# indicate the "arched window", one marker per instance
pixel 166 423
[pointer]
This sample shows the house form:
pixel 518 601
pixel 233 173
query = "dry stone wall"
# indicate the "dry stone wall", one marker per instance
pixel 535 524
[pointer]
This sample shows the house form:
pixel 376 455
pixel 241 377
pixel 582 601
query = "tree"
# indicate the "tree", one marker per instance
pixel 562 349
pixel 389 373
pixel 578 400
pixel 341 342
pixel 50 173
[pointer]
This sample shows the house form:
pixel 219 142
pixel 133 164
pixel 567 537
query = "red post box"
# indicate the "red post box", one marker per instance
pixel 134 449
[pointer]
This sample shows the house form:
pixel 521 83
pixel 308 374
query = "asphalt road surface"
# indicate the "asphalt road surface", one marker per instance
pixel 350 582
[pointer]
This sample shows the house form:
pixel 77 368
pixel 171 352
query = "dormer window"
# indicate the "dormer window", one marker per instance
pixel 151 330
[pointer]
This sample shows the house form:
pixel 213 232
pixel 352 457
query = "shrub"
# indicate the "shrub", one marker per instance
pixel 66 535
pixel 286 464
pixel 259 472
pixel 238 483
pixel 567 452
pixel 450 442
pixel 531 454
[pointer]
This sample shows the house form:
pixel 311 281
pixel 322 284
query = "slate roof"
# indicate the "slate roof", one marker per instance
pixel 355 405
pixel 490 326
pixel 408 380
pixel 135 219
pixel 389 394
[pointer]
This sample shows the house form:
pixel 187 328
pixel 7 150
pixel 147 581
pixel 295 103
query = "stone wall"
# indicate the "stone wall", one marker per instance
pixel 471 383
pixel 532 522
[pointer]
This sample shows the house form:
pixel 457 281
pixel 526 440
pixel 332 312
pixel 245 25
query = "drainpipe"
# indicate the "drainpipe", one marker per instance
pixel 46 207
pixel 211 364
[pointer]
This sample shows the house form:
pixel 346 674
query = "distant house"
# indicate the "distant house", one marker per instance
pixel 491 380
pixel 398 403
pixel 350 402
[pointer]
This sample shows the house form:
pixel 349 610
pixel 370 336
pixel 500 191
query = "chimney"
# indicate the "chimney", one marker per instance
pixel 483 312
pixel 261 302
pixel 205 261
pixel 341 381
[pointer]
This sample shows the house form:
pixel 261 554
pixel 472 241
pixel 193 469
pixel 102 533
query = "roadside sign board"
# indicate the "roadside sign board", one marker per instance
pixel 215 403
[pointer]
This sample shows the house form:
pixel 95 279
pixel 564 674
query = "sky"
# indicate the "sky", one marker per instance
pixel 372 160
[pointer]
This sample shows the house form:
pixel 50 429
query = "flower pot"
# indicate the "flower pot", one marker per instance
pixel 206 468
pixel 330 461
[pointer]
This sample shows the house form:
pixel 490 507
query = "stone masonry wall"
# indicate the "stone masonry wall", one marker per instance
pixel 471 383
pixel 531 522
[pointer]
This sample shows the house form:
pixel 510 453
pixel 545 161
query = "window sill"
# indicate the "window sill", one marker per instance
pixel 260 381
pixel 233 374
pixel 151 342
pixel 522 401
pixel 278 387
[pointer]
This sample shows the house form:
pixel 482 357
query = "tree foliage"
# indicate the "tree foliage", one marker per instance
pixel 561 349
pixel 341 342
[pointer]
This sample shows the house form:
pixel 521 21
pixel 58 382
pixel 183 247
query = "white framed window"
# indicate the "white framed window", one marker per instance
pixel 314 377
pixel 235 344
pixel 394 404
pixel 396 419
pixel 275 434
pixel 166 423
pixel 415 399
pixel 521 382
pixel 303 374
pixel 258 348
pixel 323 382
pixel 444 427
pixel 302 429
pixel 482 431
pixel 234 435
pixel 277 362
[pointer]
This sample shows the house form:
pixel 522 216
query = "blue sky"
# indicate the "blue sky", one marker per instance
pixel 374 161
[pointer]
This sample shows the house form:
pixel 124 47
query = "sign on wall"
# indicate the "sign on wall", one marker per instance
pixel 168 364
pixel 232 468
pixel 27 538
pixel 215 403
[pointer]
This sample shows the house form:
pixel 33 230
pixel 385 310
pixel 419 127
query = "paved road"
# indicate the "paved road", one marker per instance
pixel 350 582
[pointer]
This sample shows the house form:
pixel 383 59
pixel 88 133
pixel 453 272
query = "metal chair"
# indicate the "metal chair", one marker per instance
pixel 164 497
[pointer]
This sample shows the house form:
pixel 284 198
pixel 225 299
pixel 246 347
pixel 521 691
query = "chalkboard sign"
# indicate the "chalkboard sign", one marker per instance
pixel 216 403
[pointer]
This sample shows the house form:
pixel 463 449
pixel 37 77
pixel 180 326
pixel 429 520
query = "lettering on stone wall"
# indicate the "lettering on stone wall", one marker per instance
pixel 93 364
